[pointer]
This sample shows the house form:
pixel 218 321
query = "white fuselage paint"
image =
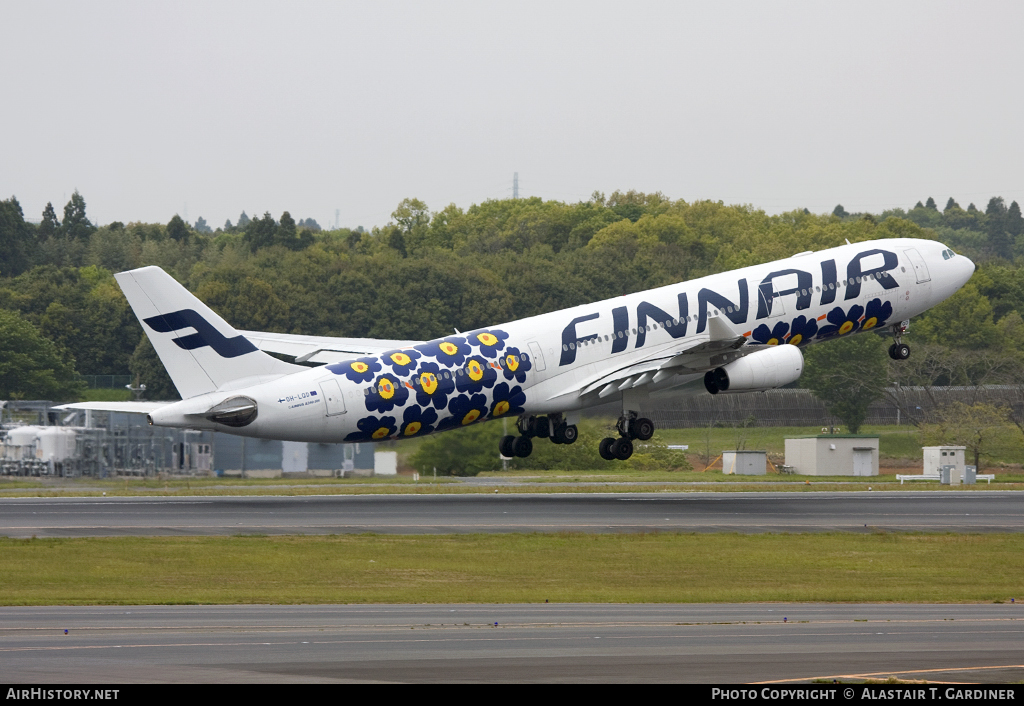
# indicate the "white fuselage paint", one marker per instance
pixel 288 410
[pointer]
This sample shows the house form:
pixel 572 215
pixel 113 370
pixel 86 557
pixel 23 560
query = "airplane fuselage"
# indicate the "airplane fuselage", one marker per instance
pixel 567 360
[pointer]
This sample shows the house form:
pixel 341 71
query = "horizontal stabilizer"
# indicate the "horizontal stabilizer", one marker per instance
pixel 126 407
pixel 322 349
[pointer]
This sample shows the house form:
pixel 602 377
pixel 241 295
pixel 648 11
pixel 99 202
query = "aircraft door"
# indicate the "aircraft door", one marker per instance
pixel 920 267
pixel 538 356
pixel 334 401
pixel 772 302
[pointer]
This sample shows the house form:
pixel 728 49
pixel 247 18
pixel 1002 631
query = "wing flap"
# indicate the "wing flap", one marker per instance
pixel 698 354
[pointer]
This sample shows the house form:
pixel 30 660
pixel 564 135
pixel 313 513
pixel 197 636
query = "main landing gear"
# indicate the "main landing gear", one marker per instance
pixel 899 350
pixel 550 427
pixel 630 427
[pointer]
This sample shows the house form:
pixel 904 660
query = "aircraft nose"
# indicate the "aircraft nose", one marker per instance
pixel 966 269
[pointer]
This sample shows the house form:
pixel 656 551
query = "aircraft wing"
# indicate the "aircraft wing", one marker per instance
pixel 717 346
pixel 321 349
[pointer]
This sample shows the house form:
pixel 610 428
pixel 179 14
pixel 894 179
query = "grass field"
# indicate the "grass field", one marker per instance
pixel 525 482
pixel 529 568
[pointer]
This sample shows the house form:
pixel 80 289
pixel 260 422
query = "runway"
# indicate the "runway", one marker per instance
pixel 951 511
pixel 530 643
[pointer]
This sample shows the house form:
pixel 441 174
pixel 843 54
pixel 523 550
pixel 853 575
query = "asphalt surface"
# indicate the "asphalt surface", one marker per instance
pixel 952 511
pixel 530 643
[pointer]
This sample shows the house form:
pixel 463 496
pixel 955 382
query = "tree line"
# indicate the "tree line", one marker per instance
pixel 426 272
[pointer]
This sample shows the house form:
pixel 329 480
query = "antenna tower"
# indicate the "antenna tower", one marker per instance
pixel 515 185
pixel 337 215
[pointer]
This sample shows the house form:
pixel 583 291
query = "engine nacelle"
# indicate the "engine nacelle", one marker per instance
pixel 764 370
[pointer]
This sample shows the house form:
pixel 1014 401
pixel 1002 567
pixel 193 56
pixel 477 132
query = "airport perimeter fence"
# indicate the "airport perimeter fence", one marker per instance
pixel 799 408
pixel 106 382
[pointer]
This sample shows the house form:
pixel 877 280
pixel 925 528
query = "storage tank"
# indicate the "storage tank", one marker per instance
pixel 55 444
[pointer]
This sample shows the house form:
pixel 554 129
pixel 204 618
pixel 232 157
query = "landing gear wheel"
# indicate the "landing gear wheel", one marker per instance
pixel 902 351
pixel 622 449
pixel 566 434
pixel 605 449
pixel 522 446
pixel 506 446
pixel 642 429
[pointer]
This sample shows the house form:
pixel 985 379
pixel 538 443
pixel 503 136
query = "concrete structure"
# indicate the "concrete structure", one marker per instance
pixel 745 463
pixel 935 457
pixel 833 455
pixel 385 463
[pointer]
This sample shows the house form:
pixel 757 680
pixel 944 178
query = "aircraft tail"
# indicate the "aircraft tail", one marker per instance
pixel 200 350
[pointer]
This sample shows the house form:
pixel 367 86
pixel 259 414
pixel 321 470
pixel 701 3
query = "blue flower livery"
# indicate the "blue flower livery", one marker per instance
pixel 402 362
pixel 358 371
pixel 433 385
pixel 477 375
pixel 450 352
pixel 842 323
pixel 770 336
pixel 877 314
pixel 417 422
pixel 373 429
pixel 386 394
pixel 464 410
pixel 514 365
pixel 802 331
pixel 489 342
pixel 507 402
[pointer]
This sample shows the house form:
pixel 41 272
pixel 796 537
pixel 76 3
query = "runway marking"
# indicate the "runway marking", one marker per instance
pixel 548 624
pixel 879 674
pixel 464 639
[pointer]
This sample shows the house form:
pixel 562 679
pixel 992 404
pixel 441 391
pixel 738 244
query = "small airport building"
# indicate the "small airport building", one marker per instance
pixel 745 463
pixel 833 455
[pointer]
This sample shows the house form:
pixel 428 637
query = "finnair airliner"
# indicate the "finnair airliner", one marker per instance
pixel 739 331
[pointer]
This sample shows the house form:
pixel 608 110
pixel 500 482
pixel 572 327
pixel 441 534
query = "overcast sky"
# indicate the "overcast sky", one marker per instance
pixel 209 108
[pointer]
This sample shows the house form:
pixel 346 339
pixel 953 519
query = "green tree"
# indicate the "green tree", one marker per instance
pixel 15 238
pixel 1014 221
pixel 177 229
pixel 260 232
pixel 975 426
pixel 32 366
pixel 49 226
pixel 839 211
pixel 146 369
pixel 75 225
pixel 965 320
pixel 995 225
pixel 930 203
pixel 460 452
pixel 950 204
pixel 847 375
pixel 289 236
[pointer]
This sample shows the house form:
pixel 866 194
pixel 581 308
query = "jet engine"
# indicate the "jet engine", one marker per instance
pixel 772 367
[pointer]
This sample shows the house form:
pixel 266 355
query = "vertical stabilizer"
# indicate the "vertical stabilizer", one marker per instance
pixel 201 352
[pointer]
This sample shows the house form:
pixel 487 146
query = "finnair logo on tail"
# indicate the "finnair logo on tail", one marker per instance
pixel 206 334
